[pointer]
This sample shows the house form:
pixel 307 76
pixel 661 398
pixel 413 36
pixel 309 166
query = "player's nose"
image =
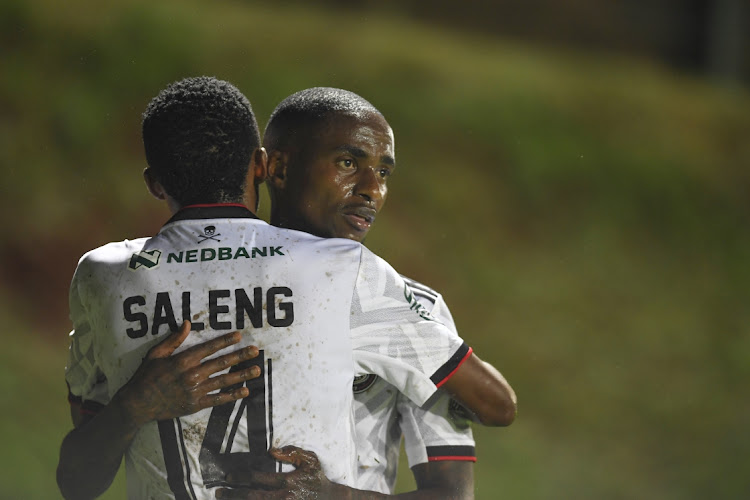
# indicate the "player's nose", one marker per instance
pixel 369 186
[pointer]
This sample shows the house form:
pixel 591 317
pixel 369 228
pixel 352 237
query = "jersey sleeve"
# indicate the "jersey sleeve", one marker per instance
pixel 87 384
pixel 395 337
pixel 435 431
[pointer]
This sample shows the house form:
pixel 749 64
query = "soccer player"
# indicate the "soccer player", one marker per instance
pixel 331 153
pixel 275 324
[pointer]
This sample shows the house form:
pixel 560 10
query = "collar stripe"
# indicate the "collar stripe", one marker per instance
pixel 212 211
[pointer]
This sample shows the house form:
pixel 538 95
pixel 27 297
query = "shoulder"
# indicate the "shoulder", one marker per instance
pixel 432 301
pixel 113 252
pixel 422 291
pixel 109 255
pixel 302 239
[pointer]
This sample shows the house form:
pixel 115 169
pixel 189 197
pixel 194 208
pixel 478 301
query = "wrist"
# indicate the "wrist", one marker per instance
pixel 132 415
pixel 335 490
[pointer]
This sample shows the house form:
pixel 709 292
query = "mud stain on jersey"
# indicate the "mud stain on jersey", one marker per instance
pixel 193 432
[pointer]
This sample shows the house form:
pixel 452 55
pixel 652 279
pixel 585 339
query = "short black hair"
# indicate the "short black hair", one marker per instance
pixel 294 115
pixel 199 134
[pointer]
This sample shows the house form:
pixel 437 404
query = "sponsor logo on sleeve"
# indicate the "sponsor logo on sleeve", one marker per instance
pixel 145 258
pixel 416 306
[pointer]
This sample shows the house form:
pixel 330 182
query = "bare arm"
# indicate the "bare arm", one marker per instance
pixel 447 479
pixel 484 391
pixel 163 387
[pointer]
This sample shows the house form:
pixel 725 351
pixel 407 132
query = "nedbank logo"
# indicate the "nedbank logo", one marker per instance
pixel 223 253
pixel 146 258
pixel 413 304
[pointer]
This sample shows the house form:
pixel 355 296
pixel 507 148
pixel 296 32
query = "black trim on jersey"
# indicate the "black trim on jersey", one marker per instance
pixel 88 406
pixel 168 430
pixel 270 408
pixel 269 372
pixel 228 211
pixel 185 454
pixel 444 371
pixel 449 452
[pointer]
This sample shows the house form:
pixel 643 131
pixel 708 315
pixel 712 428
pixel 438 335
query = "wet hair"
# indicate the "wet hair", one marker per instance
pixel 199 135
pixel 294 116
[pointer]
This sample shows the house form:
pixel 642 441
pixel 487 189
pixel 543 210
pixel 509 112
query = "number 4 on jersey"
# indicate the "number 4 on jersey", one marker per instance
pixel 216 457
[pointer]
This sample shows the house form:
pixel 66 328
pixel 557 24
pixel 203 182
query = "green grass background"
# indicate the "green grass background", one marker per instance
pixel 584 214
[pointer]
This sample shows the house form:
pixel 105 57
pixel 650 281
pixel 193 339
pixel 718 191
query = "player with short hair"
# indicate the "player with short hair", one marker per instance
pixel 304 316
pixel 331 153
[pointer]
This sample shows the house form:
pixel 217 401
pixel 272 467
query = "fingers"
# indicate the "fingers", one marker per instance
pixel 227 360
pixel 259 479
pixel 221 398
pixel 166 347
pixel 229 379
pixel 200 351
pixel 245 494
pixel 296 456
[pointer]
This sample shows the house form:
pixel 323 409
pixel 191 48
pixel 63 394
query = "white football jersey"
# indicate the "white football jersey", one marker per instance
pixel 433 431
pixel 321 311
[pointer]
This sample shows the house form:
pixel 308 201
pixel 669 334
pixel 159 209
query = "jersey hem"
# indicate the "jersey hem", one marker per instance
pixel 446 371
pixel 84 407
pixel 451 452
pixel 452 458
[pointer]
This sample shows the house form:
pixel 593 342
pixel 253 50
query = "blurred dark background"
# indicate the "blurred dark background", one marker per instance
pixel 572 176
pixel 703 37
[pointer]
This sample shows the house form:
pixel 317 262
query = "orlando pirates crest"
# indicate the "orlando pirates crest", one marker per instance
pixel 363 382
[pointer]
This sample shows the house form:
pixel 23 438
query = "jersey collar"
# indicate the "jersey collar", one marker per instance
pixel 212 211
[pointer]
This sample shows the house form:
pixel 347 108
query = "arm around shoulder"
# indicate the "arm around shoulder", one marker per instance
pixel 484 391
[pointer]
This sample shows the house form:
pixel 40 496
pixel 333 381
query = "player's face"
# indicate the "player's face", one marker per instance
pixel 340 176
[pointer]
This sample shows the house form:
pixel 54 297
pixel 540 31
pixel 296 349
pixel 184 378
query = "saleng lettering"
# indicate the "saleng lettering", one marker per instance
pixel 248 304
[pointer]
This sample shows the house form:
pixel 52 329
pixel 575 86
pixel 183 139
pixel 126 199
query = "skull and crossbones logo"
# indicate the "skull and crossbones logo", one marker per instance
pixel 209 233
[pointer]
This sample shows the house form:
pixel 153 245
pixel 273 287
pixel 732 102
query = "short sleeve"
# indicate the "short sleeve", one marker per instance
pixel 395 337
pixel 86 382
pixel 435 431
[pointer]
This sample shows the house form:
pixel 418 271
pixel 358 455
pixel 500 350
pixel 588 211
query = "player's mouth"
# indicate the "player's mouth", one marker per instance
pixel 360 218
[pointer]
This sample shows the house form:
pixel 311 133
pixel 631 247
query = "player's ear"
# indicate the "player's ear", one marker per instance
pixel 277 164
pixel 259 166
pixel 154 186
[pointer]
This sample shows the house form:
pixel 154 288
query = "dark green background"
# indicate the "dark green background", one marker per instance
pixel 584 214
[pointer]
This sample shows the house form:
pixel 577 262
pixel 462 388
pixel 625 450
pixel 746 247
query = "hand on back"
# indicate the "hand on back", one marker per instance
pixel 167 386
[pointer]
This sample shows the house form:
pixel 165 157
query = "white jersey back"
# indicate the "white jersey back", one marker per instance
pixel 320 310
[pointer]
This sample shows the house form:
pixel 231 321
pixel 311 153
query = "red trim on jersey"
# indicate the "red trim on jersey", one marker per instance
pixel 73 399
pixel 457 458
pixel 211 205
pixel 463 360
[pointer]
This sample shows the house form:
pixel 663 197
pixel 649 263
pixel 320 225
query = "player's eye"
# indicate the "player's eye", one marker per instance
pixel 385 172
pixel 346 163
